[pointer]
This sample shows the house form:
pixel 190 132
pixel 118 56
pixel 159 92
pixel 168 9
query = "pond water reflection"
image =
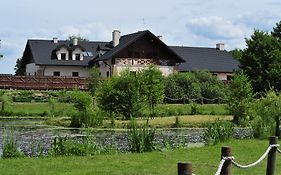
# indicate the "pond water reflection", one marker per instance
pixel 30 132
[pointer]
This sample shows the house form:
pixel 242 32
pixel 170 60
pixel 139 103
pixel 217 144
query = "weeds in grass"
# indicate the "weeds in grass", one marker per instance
pixel 218 131
pixel 141 139
pixel 10 146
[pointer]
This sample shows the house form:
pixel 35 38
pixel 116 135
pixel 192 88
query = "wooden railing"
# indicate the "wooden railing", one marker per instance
pixel 42 82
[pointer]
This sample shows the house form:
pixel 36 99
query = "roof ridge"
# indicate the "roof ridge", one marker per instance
pixel 199 47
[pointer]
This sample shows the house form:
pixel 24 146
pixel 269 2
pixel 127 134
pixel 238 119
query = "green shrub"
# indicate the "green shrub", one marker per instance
pixel 141 139
pixel 265 114
pixel 85 115
pixel 218 131
pixel 10 146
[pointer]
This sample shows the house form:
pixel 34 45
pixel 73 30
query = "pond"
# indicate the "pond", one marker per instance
pixel 30 132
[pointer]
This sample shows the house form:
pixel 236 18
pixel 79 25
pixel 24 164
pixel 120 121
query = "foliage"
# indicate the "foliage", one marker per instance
pixel 276 33
pixel 211 87
pixel 10 146
pixel 180 85
pixel 194 86
pixel 266 114
pixel 19 67
pixel 261 60
pixel 121 95
pixel 93 80
pixel 239 96
pixel 141 139
pixel 236 53
pixel 86 115
pixel 80 38
pixel 5 100
pixel 152 87
pixel 52 103
pixel 218 131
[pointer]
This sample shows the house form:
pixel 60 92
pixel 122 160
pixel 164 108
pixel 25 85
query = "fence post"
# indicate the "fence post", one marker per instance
pixel 184 168
pixel 271 156
pixel 226 168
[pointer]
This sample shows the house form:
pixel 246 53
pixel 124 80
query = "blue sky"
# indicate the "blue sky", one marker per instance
pixel 180 22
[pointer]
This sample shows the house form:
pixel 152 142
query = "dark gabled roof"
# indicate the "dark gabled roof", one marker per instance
pixel 127 40
pixel 211 59
pixel 43 51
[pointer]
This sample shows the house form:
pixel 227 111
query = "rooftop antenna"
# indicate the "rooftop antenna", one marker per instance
pixel 1 56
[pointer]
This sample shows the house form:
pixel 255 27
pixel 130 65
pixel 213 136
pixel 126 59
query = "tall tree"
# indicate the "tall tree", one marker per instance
pixel 277 31
pixel 236 53
pixel 152 87
pixel 261 61
pixel 19 69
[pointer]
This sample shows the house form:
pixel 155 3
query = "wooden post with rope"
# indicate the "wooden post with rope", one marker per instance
pixel 184 168
pixel 270 168
pixel 226 168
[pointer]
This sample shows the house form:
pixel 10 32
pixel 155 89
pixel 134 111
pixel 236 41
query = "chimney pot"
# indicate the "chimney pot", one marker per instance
pixel 220 46
pixel 75 41
pixel 116 34
pixel 55 40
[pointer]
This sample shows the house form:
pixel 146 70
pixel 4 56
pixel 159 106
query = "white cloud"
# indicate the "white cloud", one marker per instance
pixel 215 27
pixel 91 31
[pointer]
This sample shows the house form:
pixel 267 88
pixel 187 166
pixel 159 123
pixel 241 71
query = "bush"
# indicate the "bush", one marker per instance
pixel 265 113
pixel 120 95
pixel 239 96
pixel 141 139
pixel 85 115
pixel 218 131
pixel 10 147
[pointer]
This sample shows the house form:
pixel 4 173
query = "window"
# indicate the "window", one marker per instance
pixel 63 56
pixel 56 73
pixel 75 74
pixel 77 56
pixel 229 77
pixel 35 73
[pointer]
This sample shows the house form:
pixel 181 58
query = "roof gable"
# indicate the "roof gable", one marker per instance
pixel 127 40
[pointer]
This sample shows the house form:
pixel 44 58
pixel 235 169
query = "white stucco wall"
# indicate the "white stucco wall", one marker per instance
pixel 31 69
pixel 223 76
pixel 79 51
pixel 104 69
pixel 62 50
pixel 66 70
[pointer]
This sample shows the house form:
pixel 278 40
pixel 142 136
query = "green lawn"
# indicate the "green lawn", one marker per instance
pixel 39 108
pixel 205 161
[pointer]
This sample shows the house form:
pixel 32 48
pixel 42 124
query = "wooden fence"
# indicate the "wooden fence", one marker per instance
pixel 42 82
pixel 224 168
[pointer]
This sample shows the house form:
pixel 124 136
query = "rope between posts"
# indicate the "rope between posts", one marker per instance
pixel 278 150
pixel 257 162
pixel 221 164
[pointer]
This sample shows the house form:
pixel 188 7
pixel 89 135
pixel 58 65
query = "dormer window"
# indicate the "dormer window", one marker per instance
pixel 63 56
pixel 77 56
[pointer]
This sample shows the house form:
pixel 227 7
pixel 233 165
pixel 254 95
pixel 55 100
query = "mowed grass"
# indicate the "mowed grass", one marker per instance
pixel 205 161
pixel 162 110
pixel 169 122
pixel 39 108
